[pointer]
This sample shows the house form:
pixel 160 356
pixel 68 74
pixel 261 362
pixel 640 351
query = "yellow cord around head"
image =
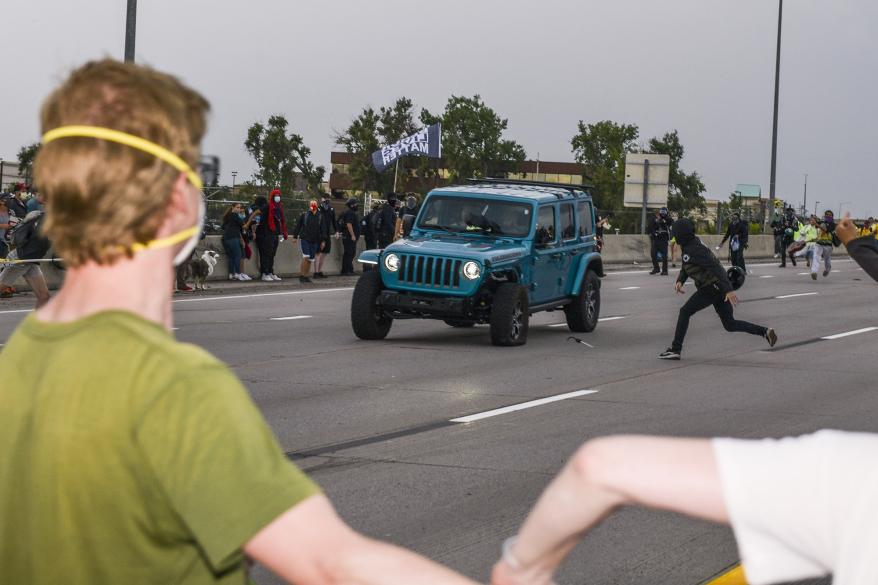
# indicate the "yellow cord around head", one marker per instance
pixel 169 241
pixel 101 133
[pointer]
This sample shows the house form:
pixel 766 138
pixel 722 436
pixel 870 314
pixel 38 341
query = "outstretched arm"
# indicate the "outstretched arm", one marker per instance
pixel 679 475
pixel 310 544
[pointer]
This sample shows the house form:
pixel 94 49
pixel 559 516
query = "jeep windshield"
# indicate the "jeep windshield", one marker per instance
pixel 474 215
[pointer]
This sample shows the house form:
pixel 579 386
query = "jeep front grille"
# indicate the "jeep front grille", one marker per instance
pixel 429 271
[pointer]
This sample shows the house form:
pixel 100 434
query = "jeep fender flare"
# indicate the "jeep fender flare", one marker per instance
pixel 369 256
pixel 591 261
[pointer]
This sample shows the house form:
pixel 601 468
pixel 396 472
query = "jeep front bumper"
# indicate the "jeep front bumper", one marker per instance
pixel 405 304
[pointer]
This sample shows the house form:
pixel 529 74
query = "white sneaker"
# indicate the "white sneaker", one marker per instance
pixel 276 277
pixel 233 277
pixel 243 276
pixel 267 278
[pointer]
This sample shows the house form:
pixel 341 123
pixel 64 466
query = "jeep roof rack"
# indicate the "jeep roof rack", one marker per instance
pixel 521 182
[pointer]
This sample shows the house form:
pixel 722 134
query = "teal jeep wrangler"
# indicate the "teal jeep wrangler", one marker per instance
pixel 496 252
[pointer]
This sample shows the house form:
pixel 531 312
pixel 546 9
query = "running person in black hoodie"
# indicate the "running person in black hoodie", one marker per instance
pixel 713 288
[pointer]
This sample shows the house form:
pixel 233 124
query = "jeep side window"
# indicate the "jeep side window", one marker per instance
pixel 568 226
pixel 586 228
pixel 545 233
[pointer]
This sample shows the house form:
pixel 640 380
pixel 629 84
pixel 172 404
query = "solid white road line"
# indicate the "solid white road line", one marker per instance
pixel 274 294
pixel 849 333
pixel 629 288
pixel 293 318
pixel 808 294
pixel 767 276
pixel 521 406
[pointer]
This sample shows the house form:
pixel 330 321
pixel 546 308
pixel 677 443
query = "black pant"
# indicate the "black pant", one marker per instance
pixel 738 258
pixel 786 242
pixel 659 247
pixel 347 258
pixel 385 240
pixel 703 298
pixel 267 245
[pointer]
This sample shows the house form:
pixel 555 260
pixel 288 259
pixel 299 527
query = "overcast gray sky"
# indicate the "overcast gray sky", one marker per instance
pixel 703 67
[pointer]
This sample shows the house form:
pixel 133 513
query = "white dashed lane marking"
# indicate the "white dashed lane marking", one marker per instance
pixel 849 333
pixel 520 406
pixel 629 288
pixel 602 319
pixel 807 294
pixel 293 318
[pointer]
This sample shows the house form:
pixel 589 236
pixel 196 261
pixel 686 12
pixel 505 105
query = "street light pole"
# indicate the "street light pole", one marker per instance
pixel 771 189
pixel 805 197
pixel 234 176
pixel 130 30
pixel 816 203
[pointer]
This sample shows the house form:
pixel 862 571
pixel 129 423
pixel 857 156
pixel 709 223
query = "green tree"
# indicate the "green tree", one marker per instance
pixel 684 189
pixel 369 132
pixel 26 157
pixel 280 155
pixel 601 148
pixel 472 139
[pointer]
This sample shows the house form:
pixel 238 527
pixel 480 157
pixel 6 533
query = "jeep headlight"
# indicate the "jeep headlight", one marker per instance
pixel 391 262
pixel 472 270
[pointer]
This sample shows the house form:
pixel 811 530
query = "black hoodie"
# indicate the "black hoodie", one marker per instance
pixel 699 263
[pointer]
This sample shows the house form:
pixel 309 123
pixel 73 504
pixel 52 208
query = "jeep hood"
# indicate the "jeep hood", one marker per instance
pixel 484 250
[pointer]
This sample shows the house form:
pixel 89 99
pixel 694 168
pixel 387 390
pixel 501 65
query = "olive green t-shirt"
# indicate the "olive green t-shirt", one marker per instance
pixel 127 457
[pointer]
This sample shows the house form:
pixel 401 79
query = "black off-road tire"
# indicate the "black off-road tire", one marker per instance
pixel 460 324
pixel 510 315
pixel 367 318
pixel 582 314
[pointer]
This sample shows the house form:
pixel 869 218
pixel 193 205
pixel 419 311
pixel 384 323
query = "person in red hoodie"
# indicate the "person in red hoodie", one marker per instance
pixel 271 230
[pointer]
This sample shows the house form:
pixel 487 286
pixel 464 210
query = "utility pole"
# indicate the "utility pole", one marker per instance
pixel 1 173
pixel 805 197
pixel 771 191
pixel 130 30
pixel 234 176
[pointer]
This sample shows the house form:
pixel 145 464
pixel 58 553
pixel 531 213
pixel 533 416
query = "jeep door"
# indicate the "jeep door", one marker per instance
pixel 570 247
pixel 548 259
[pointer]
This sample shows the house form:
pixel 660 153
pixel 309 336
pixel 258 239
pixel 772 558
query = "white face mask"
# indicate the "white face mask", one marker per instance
pixel 276 199
pixel 187 249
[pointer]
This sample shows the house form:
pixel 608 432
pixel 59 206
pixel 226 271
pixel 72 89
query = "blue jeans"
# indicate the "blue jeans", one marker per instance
pixel 234 252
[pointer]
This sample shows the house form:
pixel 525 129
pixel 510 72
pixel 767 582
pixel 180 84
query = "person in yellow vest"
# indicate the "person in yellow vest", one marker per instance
pixel 868 228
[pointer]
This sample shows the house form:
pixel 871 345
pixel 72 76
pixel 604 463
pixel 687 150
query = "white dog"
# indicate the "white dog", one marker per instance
pixel 202 268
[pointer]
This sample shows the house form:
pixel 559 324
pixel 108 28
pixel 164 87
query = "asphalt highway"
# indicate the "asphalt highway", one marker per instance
pixel 372 421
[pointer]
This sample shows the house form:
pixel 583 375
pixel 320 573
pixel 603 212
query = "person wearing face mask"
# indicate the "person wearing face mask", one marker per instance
pixel 659 230
pixel 738 235
pixel 789 226
pixel 328 222
pixel 235 223
pixel 130 457
pixel 349 223
pixel 712 288
pixel 271 230
pixel 410 209
pixel 309 231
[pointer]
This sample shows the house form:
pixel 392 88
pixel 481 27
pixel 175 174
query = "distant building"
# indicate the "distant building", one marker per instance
pixel 566 173
pixel 9 173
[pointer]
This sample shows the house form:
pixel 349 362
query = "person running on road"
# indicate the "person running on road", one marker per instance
pixel 713 288
pixel 789 226
pixel 329 228
pixel 311 232
pixel 659 230
pixel 738 234
pixel 800 507
pixel 822 250
pixel 130 457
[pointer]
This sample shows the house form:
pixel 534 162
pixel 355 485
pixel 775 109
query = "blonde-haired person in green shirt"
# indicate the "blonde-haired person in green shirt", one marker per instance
pixel 129 457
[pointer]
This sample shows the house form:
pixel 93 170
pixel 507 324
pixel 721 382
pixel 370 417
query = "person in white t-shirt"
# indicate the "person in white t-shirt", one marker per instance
pixel 800 507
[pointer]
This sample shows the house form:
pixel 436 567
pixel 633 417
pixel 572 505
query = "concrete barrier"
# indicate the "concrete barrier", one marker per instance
pixel 627 248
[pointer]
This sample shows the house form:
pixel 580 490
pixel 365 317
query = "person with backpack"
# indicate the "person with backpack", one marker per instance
pixel 309 231
pixel 385 223
pixel 349 224
pixel 28 245
pixel 329 227
pixel 823 245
